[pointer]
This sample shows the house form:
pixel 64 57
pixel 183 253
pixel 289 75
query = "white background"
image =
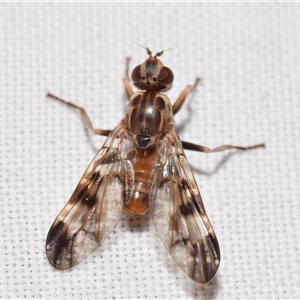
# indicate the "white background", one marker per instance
pixel 248 56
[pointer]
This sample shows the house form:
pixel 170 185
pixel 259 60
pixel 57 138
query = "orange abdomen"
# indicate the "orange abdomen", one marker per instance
pixel 143 183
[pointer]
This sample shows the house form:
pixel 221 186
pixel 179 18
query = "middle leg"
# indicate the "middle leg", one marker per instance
pixel 195 147
pixel 83 114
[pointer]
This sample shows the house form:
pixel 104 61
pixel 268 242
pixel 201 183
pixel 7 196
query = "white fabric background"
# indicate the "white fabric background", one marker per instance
pixel 248 56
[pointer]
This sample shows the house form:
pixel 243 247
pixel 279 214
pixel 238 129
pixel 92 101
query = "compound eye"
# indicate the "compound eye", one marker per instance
pixel 136 74
pixel 165 76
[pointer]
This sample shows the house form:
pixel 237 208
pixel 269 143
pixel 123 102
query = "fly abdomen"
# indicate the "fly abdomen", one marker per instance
pixel 144 181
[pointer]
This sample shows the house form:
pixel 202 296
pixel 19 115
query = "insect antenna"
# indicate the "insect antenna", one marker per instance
pixel 149 52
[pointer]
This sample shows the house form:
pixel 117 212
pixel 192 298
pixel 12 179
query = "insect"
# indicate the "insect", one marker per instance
pixel 141 167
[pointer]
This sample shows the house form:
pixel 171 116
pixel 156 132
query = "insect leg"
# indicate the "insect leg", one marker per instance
pixel 194 147
pixel 83 114
pixel 182 97
pixel 126 80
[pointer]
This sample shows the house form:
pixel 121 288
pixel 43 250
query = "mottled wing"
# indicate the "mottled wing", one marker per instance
pixel 180 219
pixel 93 210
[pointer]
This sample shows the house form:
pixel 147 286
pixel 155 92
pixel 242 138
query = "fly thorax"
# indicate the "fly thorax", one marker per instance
pixel 148 115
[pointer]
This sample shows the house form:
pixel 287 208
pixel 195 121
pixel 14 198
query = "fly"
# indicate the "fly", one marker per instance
pixel 141 167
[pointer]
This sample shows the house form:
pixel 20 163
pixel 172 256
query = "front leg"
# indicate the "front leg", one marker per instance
pixel 183 96
pixel 126 80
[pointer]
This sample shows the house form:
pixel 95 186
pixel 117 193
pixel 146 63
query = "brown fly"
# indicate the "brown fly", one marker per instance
pixel 141 167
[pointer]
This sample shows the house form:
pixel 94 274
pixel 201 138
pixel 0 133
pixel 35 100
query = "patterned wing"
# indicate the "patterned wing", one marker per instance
pixel 180 219
pixel 93 210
